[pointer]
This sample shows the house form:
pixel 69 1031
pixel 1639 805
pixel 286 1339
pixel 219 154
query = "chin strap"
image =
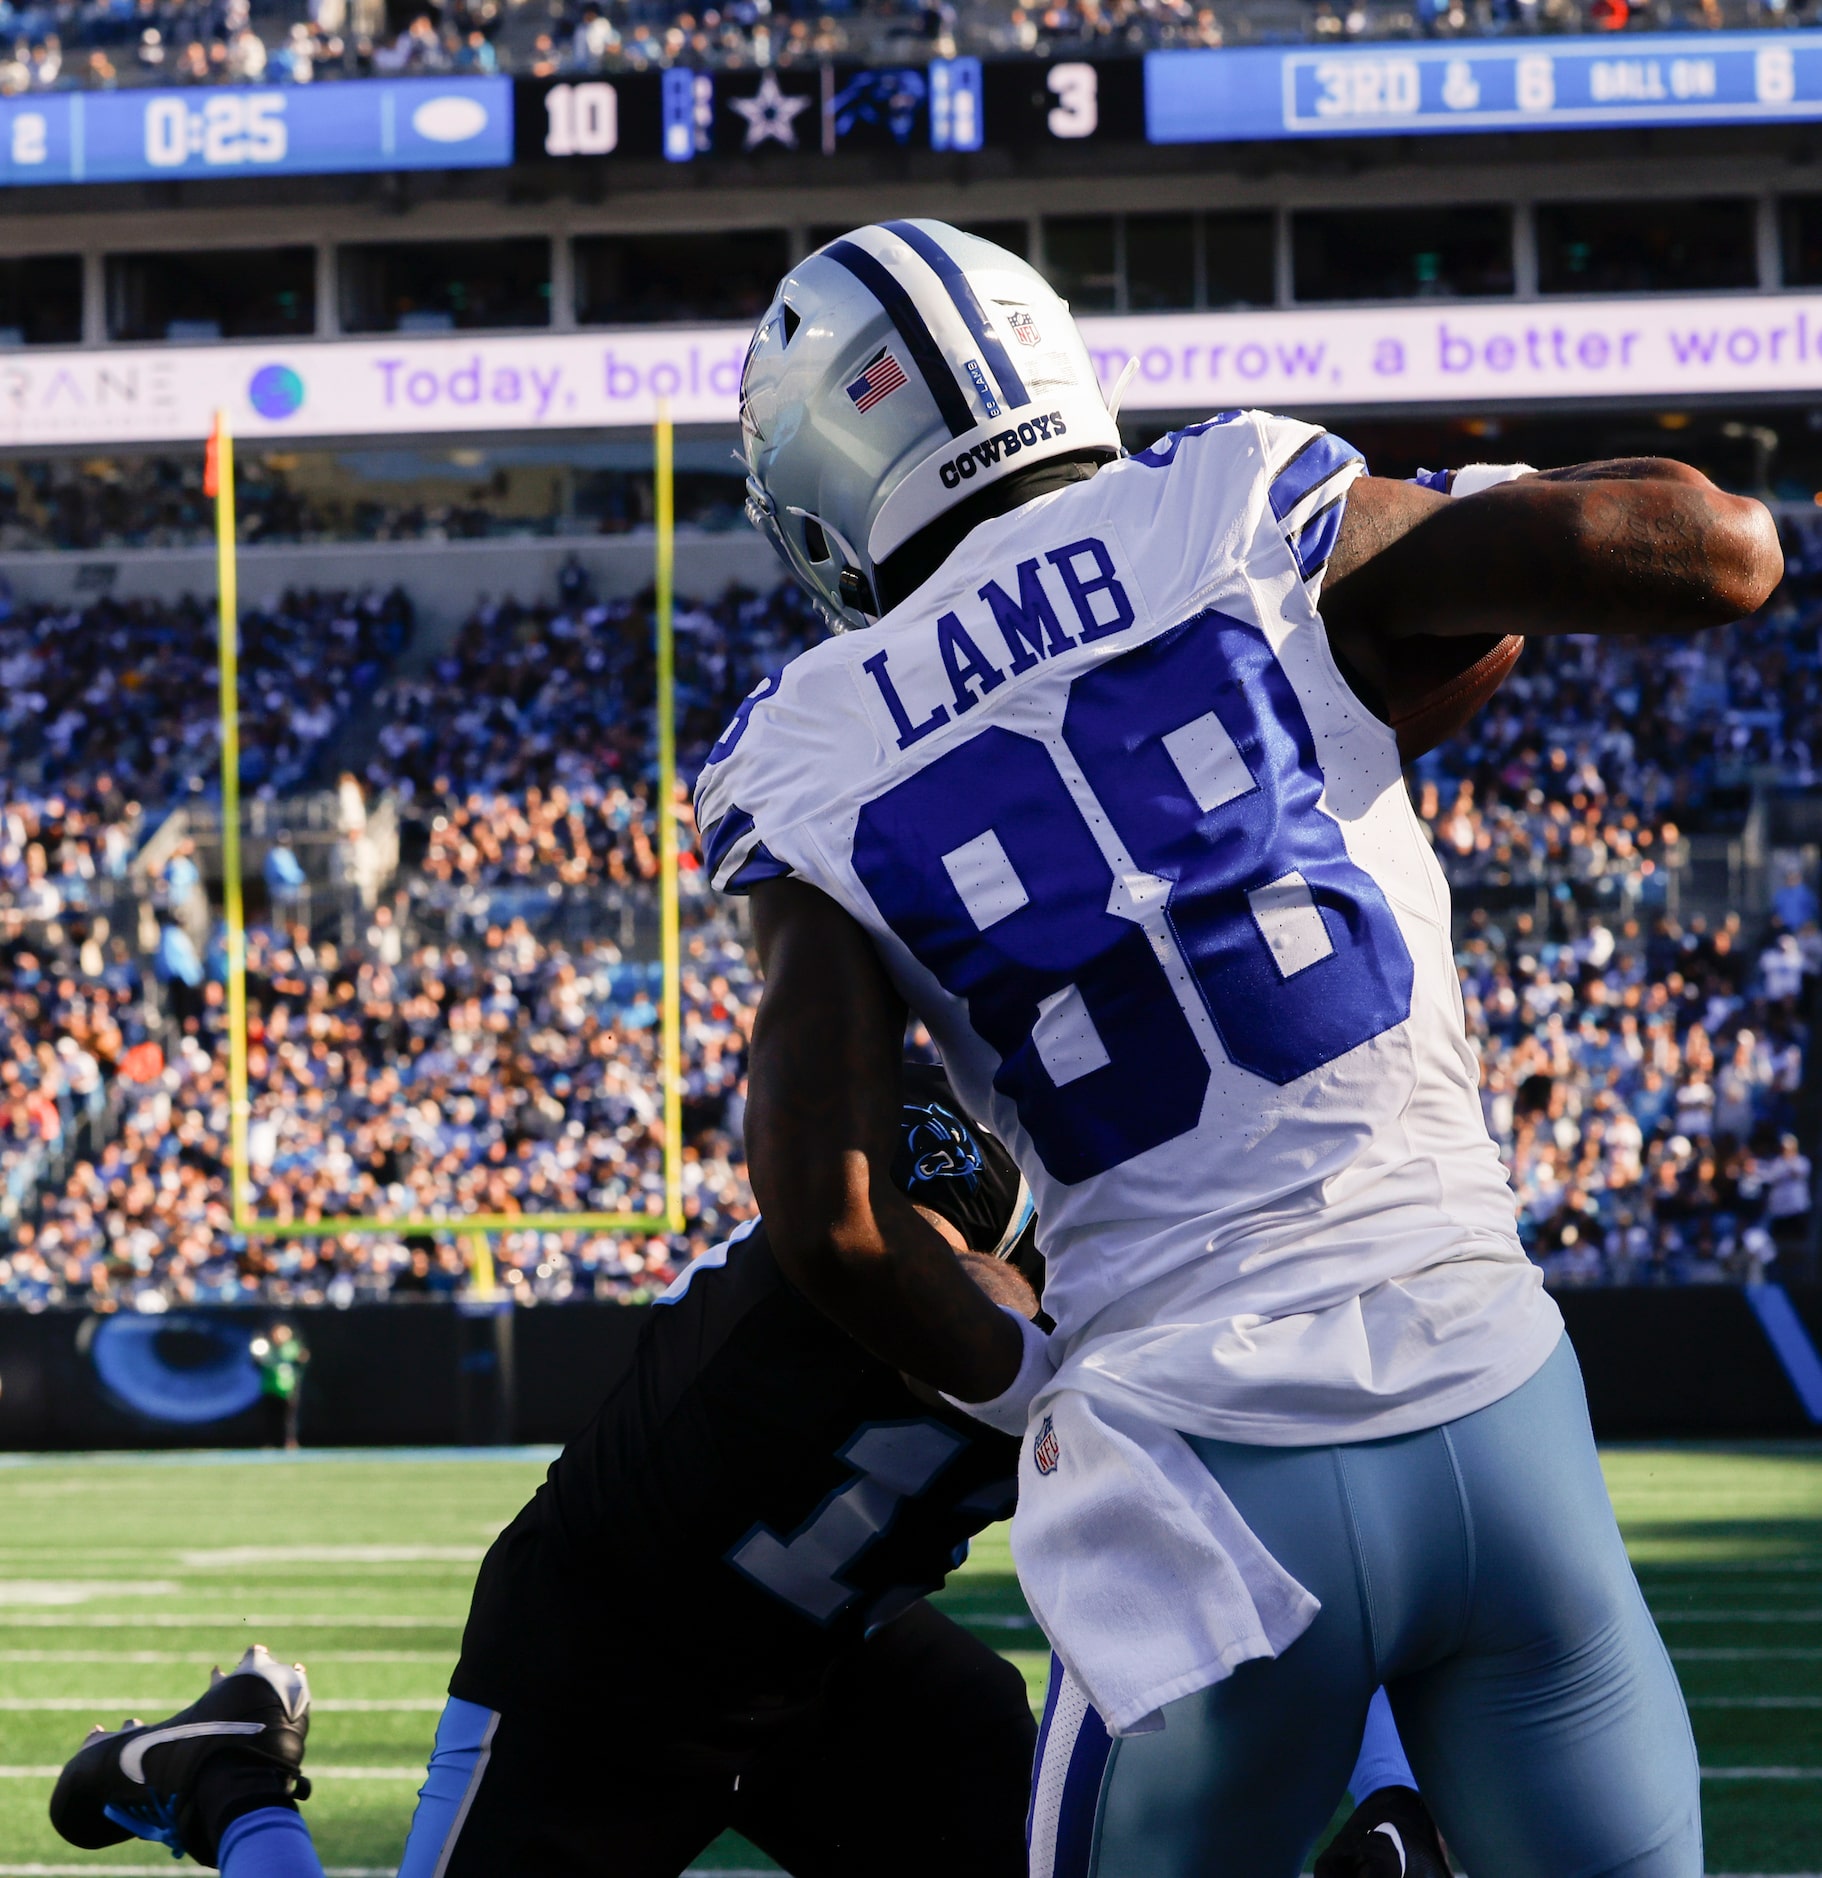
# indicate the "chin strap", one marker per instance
pixel 1117 396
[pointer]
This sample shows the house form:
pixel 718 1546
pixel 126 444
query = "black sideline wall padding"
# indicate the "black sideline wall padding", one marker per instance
pixel 379 1375
pixel 1659 1365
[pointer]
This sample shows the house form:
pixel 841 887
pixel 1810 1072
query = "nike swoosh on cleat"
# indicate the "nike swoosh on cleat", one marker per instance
pixel 133 1755
pixel 1385 1826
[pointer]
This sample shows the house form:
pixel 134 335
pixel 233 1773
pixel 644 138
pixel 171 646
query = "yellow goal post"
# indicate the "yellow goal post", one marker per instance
pixel 219 482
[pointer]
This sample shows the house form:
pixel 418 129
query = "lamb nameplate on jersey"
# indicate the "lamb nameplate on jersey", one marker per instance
pixel 1040 608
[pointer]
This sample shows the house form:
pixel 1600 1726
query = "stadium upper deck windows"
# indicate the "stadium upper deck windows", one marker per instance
pixel 440 286
pixel 1162 263
pixel 1645 246
pixel 225 293
pixel 1402 254
pixel 726 274
pixel 1800 237
pixel 41 300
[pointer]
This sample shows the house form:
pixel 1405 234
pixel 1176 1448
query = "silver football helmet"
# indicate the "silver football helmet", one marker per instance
pixel 898 371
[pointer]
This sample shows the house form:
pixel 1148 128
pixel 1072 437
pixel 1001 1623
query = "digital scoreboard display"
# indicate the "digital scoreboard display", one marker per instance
pixel 947 104
pixel 1533 83
pixel 159 134
pixel 1215 95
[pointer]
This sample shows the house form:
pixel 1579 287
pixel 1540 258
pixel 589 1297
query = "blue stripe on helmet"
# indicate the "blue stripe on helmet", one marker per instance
pixel 920 342
pixel 967 304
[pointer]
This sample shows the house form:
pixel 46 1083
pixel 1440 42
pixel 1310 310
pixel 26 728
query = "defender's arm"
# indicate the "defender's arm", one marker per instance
pixel 821 1124
pixel 1641 545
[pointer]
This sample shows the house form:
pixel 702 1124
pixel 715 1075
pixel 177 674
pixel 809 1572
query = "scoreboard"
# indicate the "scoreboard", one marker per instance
pixel 1533 82
pixel 947 104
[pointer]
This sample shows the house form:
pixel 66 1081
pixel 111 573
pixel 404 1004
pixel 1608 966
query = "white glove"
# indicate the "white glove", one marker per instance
pixel 1008 1410
pixel 1472 478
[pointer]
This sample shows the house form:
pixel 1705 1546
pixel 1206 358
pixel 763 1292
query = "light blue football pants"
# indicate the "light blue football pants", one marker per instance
pixel 1476 1570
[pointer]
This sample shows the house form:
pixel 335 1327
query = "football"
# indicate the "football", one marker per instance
pixel 1441 683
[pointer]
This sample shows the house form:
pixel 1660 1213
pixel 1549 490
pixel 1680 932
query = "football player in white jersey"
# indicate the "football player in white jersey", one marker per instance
pixel 1105 790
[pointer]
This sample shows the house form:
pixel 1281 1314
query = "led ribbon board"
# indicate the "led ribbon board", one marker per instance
pixel 234 130
pixel 1465 354
pixel 1534 83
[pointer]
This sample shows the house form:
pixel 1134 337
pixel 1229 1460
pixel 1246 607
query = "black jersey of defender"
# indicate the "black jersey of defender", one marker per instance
pixel 755 1495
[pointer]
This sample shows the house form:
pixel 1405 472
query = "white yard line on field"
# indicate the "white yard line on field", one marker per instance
pixel 167 1620
pixel 1738 1617
pixel 316 1656
pixel 1762 1773
pixel 1708 1656
pixel 316 1773
pixel 334 1555
pixel 163 1704
pixel 1754 1701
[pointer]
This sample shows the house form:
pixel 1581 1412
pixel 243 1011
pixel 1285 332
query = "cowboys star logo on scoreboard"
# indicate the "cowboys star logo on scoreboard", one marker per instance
pixel 1045 1449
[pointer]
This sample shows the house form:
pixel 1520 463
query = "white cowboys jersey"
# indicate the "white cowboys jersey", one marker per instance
pixel 1146 868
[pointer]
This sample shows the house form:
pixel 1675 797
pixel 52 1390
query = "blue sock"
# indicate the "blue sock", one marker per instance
pixel 1382 1762
pixel 272 1843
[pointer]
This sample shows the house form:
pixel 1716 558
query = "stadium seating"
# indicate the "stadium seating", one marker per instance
pixel 59 43
pixel 1643 1063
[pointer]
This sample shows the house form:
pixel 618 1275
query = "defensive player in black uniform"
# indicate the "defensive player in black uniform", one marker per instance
pixel 711 1615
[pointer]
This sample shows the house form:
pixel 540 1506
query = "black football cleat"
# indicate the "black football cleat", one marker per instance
pixel 1389 1835
pixel 140 1781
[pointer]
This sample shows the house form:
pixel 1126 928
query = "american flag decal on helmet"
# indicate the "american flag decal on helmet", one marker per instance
pixel 1045 1449
pixel 882 377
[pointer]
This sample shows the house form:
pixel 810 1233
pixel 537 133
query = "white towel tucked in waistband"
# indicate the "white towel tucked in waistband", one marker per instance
pixel 1145 1578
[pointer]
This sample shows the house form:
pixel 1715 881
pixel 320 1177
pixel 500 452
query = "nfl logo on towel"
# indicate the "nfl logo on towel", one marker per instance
pixel 882 377
pixel 1044 1449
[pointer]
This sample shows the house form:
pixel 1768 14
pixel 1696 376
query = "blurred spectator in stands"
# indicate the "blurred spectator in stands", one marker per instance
pixel 1794 903
pixel 287 885
pixel 595 39
pixel 1787 1196
pixel 180 972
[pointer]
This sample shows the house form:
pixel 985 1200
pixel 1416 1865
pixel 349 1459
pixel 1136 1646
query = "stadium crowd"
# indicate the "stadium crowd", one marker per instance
pixel 112 705
pixel 59 44
pixel 502 1075
pixel 134 501
pixel 481 1038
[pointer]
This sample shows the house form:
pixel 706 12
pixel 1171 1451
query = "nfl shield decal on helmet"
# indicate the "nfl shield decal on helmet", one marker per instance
pixel 1024 327
pixel 1044 1448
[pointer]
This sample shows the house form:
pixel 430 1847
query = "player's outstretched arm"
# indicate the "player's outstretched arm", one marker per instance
pixel 822 1121
pixel 1642 545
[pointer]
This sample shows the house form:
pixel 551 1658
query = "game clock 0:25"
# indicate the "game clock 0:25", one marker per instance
pixel 229 129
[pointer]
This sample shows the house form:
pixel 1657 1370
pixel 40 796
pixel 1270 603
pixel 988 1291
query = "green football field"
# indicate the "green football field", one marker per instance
pixel 123 1578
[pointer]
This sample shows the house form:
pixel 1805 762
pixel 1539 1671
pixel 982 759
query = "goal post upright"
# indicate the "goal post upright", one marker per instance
pixel 476 1228
pixel 218 481
pixel 670 937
